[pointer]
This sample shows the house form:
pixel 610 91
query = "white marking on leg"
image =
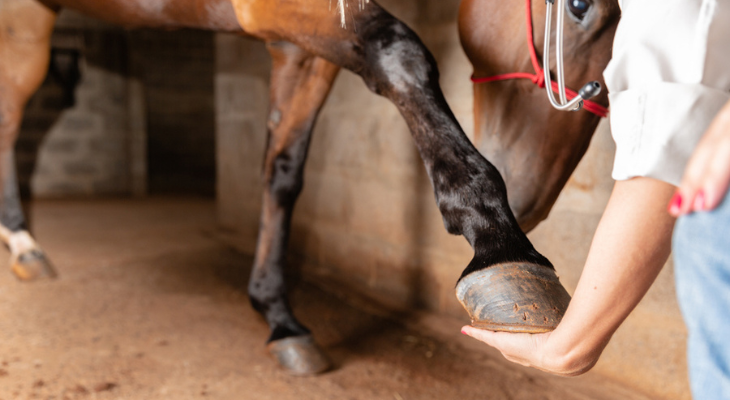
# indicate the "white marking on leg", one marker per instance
pixel 404 65
pixel 21 242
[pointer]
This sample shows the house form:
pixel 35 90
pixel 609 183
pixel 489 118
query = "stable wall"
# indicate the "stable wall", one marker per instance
pixel 143 118
pixel 79 149
pixel 367 216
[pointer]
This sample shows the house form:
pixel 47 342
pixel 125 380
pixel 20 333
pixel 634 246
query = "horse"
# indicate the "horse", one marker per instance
pixel 309 44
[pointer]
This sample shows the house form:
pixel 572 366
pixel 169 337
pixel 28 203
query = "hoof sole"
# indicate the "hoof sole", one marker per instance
pixel 514 297
pixel 299 355
pixel 32 265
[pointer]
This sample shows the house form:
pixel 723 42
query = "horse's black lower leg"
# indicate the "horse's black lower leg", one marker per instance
pixel 299 85
pixel 469 190
pixel 394 63
pixel 508 285
pixel 11 210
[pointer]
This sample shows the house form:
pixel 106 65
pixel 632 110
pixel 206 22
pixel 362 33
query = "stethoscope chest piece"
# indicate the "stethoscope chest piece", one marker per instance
pixel 588 90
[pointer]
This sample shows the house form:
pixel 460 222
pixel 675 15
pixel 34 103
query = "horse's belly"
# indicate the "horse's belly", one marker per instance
pixel 203 14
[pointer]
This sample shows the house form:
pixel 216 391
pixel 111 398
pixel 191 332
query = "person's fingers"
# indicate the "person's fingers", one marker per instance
pixel 498 340
pixel 707 175
pixel 706 179
pixel 717 179
pixel 521 348
pixel 675 204
pixel 478 334
pixel 689 194
pixel 684 198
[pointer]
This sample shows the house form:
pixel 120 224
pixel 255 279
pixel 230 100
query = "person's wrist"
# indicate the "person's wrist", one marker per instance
pixel 568 354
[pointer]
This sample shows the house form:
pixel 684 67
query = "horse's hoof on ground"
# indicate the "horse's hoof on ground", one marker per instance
pixel 299 355
pixel 514 297
pixel 32 265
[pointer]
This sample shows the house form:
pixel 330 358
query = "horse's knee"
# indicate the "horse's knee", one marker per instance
pixel 396 61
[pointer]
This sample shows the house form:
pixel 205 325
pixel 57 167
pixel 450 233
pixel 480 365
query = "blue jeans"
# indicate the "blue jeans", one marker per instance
pixel 701 246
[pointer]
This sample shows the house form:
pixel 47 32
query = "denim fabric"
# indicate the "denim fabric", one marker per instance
pixel 701 246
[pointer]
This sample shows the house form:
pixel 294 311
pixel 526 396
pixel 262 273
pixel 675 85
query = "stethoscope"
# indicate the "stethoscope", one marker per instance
pixel 589 90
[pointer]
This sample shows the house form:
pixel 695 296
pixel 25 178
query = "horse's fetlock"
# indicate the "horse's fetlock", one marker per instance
pixel 286 180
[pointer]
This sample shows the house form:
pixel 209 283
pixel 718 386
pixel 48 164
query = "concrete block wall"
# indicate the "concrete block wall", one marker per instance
pixel 81 150
pixel 143 118
pixel 243 68
pixel 367 217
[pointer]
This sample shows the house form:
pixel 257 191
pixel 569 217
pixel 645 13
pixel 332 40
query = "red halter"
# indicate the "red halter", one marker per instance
pixel 538 77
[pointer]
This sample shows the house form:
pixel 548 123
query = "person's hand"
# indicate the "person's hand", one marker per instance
pixel 707 176
pixel 534 350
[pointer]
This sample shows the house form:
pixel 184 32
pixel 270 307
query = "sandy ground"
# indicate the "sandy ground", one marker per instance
pixel 150 305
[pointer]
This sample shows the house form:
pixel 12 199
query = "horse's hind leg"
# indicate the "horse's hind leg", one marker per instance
pixel 25 30
pixel 300 83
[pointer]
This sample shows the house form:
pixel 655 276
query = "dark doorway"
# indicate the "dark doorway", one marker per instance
pixel 177 70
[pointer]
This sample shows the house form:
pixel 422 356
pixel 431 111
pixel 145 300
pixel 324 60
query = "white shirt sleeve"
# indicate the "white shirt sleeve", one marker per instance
pixel 668 78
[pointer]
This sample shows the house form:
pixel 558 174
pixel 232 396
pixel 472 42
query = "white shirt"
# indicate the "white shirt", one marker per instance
pixel 668 78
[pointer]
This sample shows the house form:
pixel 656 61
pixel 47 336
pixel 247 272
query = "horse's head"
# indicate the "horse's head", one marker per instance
pixel 534 146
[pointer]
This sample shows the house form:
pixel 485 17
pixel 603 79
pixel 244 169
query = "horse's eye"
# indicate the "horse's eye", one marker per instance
pixel 579 8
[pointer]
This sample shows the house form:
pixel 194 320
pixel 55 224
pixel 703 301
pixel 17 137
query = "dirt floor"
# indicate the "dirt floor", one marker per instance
pixel 150 305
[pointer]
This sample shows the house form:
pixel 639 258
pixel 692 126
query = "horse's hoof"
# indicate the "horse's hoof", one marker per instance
pixel 514 297
pixel 299 355
pixel 32 265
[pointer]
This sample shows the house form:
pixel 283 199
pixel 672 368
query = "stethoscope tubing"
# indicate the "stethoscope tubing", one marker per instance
pixel 563 105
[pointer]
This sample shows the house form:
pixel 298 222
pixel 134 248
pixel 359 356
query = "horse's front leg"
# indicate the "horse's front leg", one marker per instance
pixel 469 190
pixel 300 83
pixel 24 54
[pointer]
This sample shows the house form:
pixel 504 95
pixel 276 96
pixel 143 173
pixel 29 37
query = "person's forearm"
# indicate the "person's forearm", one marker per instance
pixel 630 247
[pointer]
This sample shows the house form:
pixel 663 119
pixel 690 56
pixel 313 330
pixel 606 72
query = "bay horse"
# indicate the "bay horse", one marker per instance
pixel 309 45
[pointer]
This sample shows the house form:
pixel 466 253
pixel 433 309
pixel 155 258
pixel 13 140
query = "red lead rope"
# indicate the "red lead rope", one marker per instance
pixel 538 77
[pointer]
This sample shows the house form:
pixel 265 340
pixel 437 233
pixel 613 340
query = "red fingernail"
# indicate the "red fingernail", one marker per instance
pixel 463 331
pixel 675 204
pixel 700 201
